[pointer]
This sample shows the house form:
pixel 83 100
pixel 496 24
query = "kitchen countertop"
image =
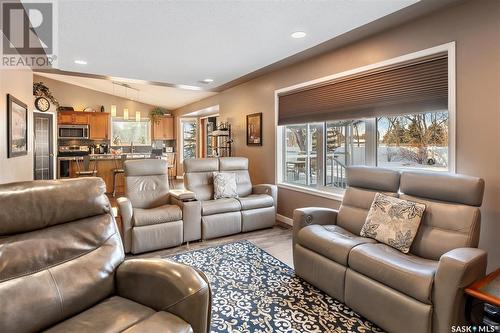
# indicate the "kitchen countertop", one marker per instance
pixel 130 156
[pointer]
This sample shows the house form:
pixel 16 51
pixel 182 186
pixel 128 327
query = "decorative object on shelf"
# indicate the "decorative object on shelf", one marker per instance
pixel 89 109
pixel 102 108
pixel 42 104
pixel 41 90
pixel 17 127
pixel 65 108
pixel 157 113
pixel 254 129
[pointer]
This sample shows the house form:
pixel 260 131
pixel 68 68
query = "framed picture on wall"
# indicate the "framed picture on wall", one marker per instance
pixel 254 129
pixel 17 127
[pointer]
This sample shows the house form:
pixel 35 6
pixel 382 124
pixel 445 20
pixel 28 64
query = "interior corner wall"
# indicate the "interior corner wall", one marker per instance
pixel 474 25
pixel 18 83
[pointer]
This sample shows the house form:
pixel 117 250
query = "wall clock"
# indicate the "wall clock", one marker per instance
pixel 42 104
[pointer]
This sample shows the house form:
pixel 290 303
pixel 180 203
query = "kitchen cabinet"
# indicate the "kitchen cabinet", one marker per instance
pixel 99 126
pixel 73 118
pixel 163 128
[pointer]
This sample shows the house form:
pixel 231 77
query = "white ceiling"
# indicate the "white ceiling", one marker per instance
pixel 170 98
pixel 182 42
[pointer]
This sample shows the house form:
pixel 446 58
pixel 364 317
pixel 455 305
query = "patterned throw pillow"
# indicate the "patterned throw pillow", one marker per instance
pixel 225 185
pixel 393 221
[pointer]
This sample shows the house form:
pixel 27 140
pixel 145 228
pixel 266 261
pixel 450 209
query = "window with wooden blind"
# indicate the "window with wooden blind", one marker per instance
pixel 393 116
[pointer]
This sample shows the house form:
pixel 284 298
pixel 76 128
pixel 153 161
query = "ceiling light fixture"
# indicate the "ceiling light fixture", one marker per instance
pixel 206 81
pixel 80 62
pixel 298 34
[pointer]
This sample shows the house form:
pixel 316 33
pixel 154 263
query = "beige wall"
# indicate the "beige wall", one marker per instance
pixel 18 83
pixel 80 98
pixel 475 27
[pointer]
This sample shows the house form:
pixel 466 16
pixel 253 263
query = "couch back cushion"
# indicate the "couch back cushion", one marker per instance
pixel 59 248
pixel 146 182
pixel 198 176
pixel 452 217
pixel 363 183
pixel 238 165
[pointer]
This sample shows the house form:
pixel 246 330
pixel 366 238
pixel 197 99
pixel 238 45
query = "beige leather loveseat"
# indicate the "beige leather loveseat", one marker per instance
pixel 255 207
pixel 62 268
pixel 421 291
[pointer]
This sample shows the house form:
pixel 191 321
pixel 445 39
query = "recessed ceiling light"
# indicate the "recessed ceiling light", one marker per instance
pixel 80 62
pixel 207 81
pixel 298 34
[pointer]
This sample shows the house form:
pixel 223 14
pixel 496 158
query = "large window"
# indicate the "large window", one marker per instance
pixel 316 155
pixel 126 132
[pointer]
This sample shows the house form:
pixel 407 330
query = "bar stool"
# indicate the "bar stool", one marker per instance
pixel 171 167
pixel 86 171
pixel 118 170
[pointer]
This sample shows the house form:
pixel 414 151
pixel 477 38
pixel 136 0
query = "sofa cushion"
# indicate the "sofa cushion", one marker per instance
pixel 254 201
pixel 161 322
pixel 406 273
pixel 210 207
pixel 158 215
pixel 331 241
pixel 113 314
pixel 393 221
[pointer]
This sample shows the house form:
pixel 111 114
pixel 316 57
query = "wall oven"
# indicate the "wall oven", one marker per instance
pixel 73 131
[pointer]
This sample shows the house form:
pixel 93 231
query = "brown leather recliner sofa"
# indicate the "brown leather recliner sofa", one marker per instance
pixel 255 207
pixel 421 291
pixel 62 268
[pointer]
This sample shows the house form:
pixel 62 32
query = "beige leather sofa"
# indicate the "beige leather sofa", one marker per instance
pixel 255 208
pixel 62 268
pixel 151 221
pixel 417 292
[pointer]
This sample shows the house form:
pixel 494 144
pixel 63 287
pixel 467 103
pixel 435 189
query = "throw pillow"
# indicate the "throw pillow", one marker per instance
pixel 393 221
pixel 225 185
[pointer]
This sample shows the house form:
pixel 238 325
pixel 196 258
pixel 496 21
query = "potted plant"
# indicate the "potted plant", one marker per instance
pixel 157 113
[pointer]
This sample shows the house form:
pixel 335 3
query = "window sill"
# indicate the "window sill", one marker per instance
pixel 311 191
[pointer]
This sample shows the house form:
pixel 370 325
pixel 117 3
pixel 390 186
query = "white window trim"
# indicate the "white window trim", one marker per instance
pixel 449 48
pixel 127 144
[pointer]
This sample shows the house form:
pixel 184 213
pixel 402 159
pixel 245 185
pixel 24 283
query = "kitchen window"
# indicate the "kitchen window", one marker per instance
pixel 316 155
pixel 125 133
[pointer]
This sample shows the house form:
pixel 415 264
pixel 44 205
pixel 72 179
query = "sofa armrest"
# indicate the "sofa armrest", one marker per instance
pixel 456 270
pixel 166 285
pixel 126 212
pixel 303 217
pixel 269 189
pixel 191 218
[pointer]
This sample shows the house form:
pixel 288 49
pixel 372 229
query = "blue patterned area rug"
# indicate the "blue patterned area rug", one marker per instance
pixel 255 292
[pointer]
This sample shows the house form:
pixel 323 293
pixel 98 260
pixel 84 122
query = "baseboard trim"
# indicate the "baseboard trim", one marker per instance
pixel 284 219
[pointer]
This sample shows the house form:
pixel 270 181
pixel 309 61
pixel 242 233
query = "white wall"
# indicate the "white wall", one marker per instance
pixel 19 83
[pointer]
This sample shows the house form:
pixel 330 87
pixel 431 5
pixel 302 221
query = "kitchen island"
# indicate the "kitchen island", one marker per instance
pixel 105 164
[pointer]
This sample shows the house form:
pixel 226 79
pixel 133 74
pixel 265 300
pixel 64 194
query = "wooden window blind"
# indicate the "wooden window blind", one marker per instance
pixel 408 88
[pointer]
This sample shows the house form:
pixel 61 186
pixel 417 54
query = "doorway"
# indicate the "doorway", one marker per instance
pixel 43 146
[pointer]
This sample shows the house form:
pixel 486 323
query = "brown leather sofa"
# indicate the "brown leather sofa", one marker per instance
pixel 255 207
pixel 421 291
pixel 62 268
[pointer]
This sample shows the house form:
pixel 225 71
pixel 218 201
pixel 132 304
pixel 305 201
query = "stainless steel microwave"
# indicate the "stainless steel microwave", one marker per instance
pixel 73 131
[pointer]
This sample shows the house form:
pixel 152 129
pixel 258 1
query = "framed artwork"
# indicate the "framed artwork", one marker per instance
pixel 17 127
pixel 254 129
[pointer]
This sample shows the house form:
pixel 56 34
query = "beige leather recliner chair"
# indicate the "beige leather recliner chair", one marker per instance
pixel 62 268
pixel 417 292
pixel 255 207
pixel 151 219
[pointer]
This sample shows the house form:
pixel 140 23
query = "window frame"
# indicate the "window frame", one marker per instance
pixel 371 123
pixel 127 144
pixel 181 136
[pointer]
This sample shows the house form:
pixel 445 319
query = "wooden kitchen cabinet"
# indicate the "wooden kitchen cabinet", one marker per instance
pixel 99 126
pixel 73 118
pixel 163 128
